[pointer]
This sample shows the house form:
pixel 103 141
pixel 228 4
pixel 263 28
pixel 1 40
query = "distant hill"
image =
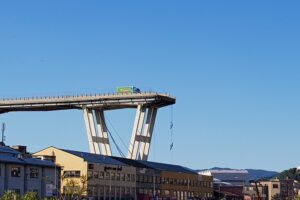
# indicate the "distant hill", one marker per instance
pixel 254 174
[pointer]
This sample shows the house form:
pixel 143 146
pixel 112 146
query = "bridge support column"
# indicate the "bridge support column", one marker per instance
pixel 97 138
pixel 140 143
pixel 147 134
pixel 136 132
pixel 91 130
pixel 102 130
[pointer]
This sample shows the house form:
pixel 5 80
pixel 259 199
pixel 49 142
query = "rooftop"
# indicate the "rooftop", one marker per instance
pixel 94 158
pixel 9 155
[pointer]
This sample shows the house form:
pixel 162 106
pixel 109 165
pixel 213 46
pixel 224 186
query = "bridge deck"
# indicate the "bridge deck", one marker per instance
pixel 99 101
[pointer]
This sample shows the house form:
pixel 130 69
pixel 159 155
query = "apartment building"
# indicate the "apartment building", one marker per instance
pixel 107 178
pixel 21 173
pixel 113 178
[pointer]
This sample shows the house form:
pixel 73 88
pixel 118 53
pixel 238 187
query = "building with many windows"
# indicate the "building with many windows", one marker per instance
pixel 177 182
pixel 21 173
pixel 120 178
pixel 107 178
pixel 169 181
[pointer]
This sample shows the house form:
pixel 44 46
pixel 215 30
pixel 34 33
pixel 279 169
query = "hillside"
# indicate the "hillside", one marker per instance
pixel 254 174
pixel 290 174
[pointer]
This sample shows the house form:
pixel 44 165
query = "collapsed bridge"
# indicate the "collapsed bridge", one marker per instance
pixel 93 106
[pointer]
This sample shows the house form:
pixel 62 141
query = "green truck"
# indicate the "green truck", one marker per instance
pixel 127 89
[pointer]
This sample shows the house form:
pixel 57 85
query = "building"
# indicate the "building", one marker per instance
pixel 121 178
pixel 181 183
pixel 106 177
pixel 288 188
pixel 231 176
pixel 21 173
pixel 252 191
pixel 228 183
pixel 273 188
pixel 169 181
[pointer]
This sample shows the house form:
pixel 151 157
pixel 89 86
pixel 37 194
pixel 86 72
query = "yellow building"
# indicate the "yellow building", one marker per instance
pixel 169 181
pixel 106 177
pixel 273 187
pixel 124 179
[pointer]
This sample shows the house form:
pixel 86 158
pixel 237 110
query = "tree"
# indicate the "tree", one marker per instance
pixel 289 174
pixel 30 196
pixel 74 188
pixel 276 197
pixel 10 195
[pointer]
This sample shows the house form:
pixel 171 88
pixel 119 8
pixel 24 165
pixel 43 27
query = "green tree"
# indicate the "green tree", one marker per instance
pixel 10 195
pixel 30 196
pixel 290 174
pixel 74 188
pixel 276 197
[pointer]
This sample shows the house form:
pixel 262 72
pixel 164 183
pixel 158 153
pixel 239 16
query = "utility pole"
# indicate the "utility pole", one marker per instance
pixel 3 129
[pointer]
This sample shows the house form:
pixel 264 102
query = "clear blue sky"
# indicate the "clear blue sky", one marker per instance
pixel 233 66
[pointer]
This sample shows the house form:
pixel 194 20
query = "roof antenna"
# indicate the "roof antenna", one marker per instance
pixel 3 137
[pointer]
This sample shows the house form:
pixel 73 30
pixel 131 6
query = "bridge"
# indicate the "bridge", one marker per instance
pixel 93 106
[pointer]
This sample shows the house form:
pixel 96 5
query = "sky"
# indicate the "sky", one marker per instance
pixel 233 67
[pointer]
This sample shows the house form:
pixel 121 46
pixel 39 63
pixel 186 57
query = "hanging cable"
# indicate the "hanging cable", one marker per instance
pixel 171 134
pixel 171 129
pixel 117 146
pixel 120 138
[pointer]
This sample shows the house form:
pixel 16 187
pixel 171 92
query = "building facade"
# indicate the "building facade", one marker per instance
pixel 113 178
pixel 168 181
pixel 21 173
pixel 106 178
pixel 273 188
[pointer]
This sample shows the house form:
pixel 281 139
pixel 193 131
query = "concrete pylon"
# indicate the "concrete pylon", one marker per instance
pixel 140 143
pixel 97 138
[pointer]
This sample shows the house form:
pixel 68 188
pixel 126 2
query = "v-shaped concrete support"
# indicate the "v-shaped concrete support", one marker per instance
pixel 97 138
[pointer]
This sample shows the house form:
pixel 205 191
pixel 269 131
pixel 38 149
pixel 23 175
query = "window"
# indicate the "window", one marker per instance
pixel 90 174
pixel 132 177
pixel 167 180
pixel 118 192
pixel 157 179
pixel 16 172
pixel 96 174
pixel 127 191
pixel 71 174
pixel 107 176
pixel 101 175
pixel 113 176
pixel 91 166
pixel 18 191
pixel 117 176
pixel 122 177
pixel 150 179
pixel 34 173
pixel 275 186
pixel 123 191
pixel 145 179
pixel 171 181
pixel 127 177
pixel 142 178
